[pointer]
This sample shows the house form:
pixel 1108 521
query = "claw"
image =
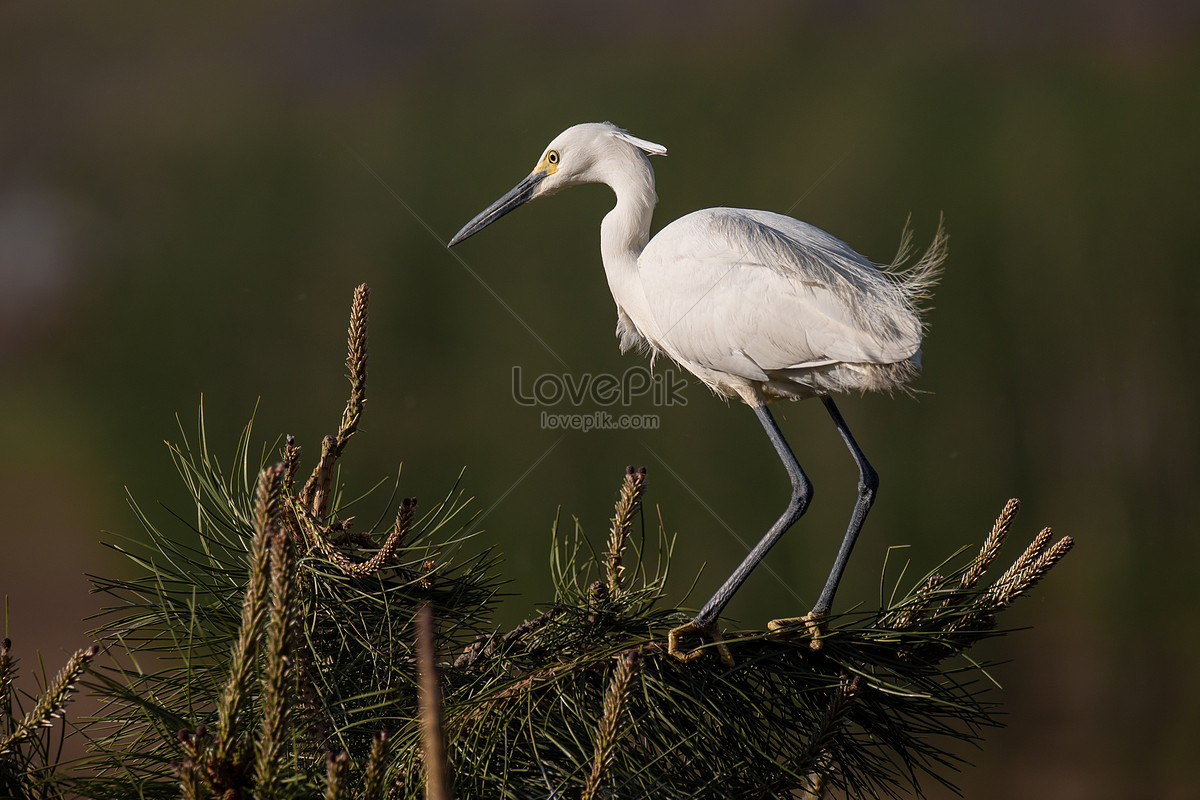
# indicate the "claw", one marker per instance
pixel 812 623
pixel 701 632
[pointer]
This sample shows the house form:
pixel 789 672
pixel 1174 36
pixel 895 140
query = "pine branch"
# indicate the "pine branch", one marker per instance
pixel 336 767
pixel 1035 562
pixel 228 736
pixel 376 767
pixel 315 663
pixel 291 458
pixel 814 759
pixel 627 509
pixel 276 670
pixel 311 650
pixel 356 363
pixel 52 701
pixel 609 731
pixel 321 539
pixel 193 784
pixel 437 777
pixel 486 646
pixel 8 674
pixel 991 545
pixel 316 494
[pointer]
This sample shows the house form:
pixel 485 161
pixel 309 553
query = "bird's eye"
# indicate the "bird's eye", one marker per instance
pixel 552 157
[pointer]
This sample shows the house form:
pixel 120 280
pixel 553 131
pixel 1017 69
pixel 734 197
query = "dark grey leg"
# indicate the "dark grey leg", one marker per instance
pixel 868 486
pixel 704 623
pixel 801 495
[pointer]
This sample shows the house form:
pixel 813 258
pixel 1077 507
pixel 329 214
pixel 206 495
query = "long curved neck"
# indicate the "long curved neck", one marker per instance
pixel 625 232
pixel 626 229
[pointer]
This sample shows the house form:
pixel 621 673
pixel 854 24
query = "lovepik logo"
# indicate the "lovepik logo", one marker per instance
pixel 664 388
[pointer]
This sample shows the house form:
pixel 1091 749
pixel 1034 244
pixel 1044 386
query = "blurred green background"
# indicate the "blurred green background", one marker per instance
pixel 188 196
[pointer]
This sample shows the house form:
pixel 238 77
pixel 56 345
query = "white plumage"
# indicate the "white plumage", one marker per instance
pixel 751 300
pixel 755 304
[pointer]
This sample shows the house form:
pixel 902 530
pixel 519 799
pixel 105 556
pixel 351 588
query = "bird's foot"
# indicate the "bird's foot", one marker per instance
pixel 702 632
pixel 812 623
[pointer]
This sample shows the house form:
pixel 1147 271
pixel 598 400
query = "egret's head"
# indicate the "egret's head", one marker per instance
pixel 589 153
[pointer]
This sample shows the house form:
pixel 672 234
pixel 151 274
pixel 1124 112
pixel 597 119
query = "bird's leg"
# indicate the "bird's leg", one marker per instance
pixel 868 486
pixel 705 623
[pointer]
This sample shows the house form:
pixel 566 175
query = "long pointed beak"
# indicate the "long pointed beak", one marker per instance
pixel 518 195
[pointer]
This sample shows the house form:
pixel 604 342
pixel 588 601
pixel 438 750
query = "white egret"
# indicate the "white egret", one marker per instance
pixel 757 305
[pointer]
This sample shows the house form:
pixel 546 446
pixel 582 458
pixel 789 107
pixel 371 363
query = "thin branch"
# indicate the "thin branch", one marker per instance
pixel 628 505
pixel 991 545
pixel 52 702
pixel 609 730
pixel 376 767
pixel 275 668
pixel 336 767
pixel 266 522
pixel 316 493
pixel 356 363
pixel 437 776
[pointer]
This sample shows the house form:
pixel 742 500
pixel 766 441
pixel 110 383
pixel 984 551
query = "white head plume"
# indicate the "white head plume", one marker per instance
pixel 649 148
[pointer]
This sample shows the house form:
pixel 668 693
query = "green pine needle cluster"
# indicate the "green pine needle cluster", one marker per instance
pixel 27 744
pixel 271 648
